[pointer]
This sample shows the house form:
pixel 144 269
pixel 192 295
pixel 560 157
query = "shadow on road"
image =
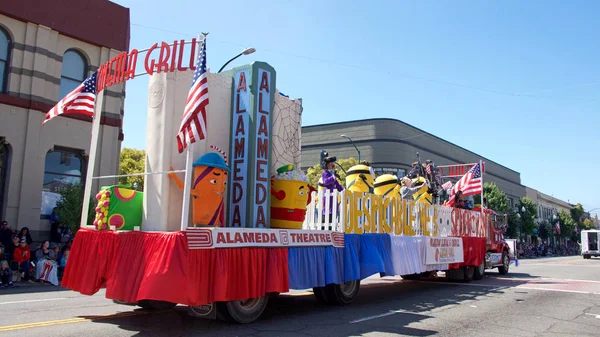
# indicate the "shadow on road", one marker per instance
pixel 20 288
pixel 389 307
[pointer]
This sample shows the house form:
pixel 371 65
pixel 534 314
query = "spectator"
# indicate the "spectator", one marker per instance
pixel 55 232
pixel 46 268
pixel 6 234
pixel 24 234
pixel 10 249
pixel 5 275
pixel 22 256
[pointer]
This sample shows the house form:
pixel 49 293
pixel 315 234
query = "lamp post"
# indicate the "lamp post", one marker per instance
pixel 521 215
pixel 351 141
pixel 246 51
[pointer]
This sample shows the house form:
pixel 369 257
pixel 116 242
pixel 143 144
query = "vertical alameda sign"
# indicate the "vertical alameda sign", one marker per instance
pixel 262 161
pixel 251 123
pixel 240 123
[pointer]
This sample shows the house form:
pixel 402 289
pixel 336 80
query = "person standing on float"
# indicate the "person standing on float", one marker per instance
pixel 329 181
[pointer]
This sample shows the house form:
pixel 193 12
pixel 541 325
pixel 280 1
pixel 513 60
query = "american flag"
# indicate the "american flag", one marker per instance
pixel 79 101
pixel 193 123
pixel 428 168
pixel 469 184
pixel 447 185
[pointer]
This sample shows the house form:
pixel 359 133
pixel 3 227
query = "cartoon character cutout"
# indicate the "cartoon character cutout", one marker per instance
pixel 209 184
pixel 291 193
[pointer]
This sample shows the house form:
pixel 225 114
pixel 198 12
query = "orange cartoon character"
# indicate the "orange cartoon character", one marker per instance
pixel 291 193
pixel 209 183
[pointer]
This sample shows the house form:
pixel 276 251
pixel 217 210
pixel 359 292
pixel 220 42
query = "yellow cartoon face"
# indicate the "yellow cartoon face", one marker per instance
pixel 355 181
pixel 290 194
pixel 387 185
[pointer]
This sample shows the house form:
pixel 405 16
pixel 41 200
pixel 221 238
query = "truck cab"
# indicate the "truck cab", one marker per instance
pixel 589 243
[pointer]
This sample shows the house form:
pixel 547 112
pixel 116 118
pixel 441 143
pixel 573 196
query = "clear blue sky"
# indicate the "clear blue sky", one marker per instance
pixel 515 81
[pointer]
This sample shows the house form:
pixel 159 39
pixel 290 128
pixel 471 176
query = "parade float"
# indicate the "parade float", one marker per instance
pixel 222 231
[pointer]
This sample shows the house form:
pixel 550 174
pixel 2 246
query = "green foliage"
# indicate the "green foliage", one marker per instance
pixel 567 224
pixel 577 213
pixel 546 230
pixel 132 161
pixel 528 217
pixel 588 224
pixel 68 207
pixel 496 199
pixel 314 173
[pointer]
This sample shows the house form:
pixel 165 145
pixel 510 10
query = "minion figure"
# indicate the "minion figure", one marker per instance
pixel 387 185
pixel 415 189
pixel 360 178
pixel 291 193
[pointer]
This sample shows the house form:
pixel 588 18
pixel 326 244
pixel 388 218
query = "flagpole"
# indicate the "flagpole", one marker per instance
pixel 92 158
pixel 482 204
pixel 189 161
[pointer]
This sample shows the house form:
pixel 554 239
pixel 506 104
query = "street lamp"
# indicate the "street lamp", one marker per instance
pixel 246 51
pixel 351 141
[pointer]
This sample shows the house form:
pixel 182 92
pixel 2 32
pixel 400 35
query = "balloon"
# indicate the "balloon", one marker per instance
pixel 107 193
pixel 106 203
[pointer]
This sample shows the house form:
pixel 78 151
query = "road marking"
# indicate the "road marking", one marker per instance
pixel 389 313
pixel 40 300
pixel 597 316
pixel 306 293
pixel 558 290
pixel 72 320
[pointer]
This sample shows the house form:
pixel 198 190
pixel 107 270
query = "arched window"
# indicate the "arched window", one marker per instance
pixel 5 46
pixel 74 71
pixel 62 168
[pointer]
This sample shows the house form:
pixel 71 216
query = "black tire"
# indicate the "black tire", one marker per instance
pixel 342 294
pixel 469 273
pixel 243 312
pixel 156 305
pixel 480 270
pixel 321 295
pixel 411 277
pixel 503 270
pixel 587 257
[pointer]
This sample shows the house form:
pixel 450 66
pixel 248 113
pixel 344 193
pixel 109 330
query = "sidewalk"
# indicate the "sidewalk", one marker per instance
pixel 26 287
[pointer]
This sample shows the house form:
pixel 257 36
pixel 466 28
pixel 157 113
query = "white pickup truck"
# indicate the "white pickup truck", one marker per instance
pixel 589 243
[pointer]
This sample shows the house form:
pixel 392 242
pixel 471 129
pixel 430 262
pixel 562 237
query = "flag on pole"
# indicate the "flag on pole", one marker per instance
pixel 79 101
pixel 193 122
pixel 469 184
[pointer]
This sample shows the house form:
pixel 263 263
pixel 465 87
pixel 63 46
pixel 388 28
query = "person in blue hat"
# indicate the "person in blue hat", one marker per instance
pixel 208 190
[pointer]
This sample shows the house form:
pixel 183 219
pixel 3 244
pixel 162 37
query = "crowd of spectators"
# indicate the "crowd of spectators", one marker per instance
pixel 24 260
pixel 534 250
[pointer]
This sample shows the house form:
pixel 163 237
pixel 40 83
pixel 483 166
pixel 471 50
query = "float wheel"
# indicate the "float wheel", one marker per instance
pixel 480 270
pixel 469 273
pixel 503 269
pixel 411 277
pixel 243 312
pixel 343 294
pixel 321 295
pixel 156 305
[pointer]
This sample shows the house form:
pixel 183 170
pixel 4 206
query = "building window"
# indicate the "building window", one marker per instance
pixel 5 47
pixel 62 167
pixel 388 170
pixel 74 70
pixel 4 165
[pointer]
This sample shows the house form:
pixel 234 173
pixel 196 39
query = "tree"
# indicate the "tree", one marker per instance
pixel 314 172
pixel 68 207
pixel 496 199
pixel 588 224
pixel 567 224
pixel 132 161
pixel 546 230
pixel 528 217
pixel 577 213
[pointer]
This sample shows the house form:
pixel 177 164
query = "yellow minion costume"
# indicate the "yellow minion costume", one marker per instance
pixel 359 178
pixel 387 185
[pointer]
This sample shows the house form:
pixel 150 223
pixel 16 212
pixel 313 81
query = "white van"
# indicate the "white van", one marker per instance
pixel 589 243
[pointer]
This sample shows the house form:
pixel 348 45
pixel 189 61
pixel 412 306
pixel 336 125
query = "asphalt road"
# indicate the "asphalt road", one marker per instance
pixel 542 297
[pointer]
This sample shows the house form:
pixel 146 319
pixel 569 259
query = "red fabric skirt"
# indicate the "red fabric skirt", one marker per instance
pixel 158 266
pixel 474 252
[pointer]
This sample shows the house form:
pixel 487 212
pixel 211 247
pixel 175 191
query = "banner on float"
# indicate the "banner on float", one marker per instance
pixel 444 250
pixel 208 238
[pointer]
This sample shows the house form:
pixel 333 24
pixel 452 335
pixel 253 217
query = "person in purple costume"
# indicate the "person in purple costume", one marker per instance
pixel 329 181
